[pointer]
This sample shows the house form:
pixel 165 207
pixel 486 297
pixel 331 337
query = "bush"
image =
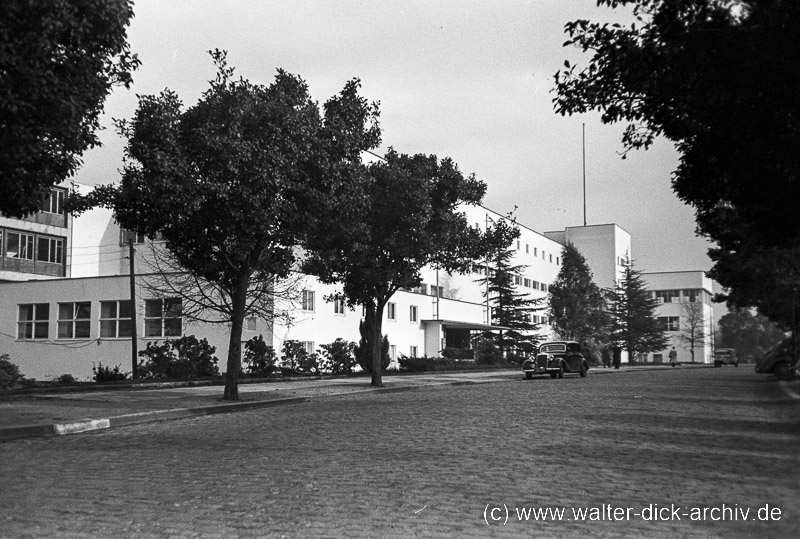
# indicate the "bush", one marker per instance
pixel 9 373
pixel 105 374
pixel 486 352
pixel 259 358
pixel 458 353
pixel 295 359
pixel 363 357
pixel 183 359
pixel 65 379
pixel 338 357
pixel 424 363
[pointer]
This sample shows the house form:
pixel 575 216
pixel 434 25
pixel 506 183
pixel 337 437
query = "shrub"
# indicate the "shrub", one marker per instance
pixel 66 379
pixel 486 352
pixel 338 357
pixel 9 373
pixel 185 358
pixel 424 363
pixel 103 374
pixel 458 353
pixel 363 356
pixel 259 358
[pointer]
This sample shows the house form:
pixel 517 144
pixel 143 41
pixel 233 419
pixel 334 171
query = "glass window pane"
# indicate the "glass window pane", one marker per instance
pixel 152 328
pixel 82 329
pixel 25 312
pixel 83 310
pixel 12 245
pixel 43 253
pixel 172 308
pixel 125 328
pixel 40 330
pixel 65 311
pixel 25 330
pixel 65 330
pixel 108 309
pixel 125 309
pixel 108 328
pixel 152 308
pixel 172 327
pixel 42 311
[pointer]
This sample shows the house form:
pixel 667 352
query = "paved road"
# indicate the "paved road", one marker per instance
pixel 436 462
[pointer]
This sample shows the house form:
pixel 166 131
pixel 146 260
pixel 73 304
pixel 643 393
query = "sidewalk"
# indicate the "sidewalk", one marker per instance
pixel 59 413
pixel 70 412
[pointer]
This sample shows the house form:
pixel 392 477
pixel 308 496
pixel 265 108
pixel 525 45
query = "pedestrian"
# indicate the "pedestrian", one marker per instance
pixel 617 354
pixel 673 357
pixel 606 354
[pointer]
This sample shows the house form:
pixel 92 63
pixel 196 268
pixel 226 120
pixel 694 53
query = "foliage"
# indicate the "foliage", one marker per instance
pixel 751 335
pixel 486 351
pixel 363 353
pixel 401 217
pixel 338 357
pixel 235 182
pixel 634 325
pixel 9 372
pixel 458 353
pixel 102 374
pixel 422 364
pixel 296 360
pixel 693 326
pixel 185 358
pixel 719 79
pixel 58 62
pixel 65 379
pixel 259 358
pixel 577 305
pixel 510 309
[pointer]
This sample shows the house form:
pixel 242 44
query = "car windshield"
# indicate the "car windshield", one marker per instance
pixel 550 348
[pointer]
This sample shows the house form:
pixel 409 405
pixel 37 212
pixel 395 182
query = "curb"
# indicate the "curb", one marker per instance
pixel 92 425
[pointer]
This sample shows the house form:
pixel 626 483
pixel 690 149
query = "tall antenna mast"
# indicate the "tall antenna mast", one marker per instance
pixel 584 174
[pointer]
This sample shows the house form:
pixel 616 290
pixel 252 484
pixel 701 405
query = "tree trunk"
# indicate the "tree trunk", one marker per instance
pixel 374 320
pixel 238 303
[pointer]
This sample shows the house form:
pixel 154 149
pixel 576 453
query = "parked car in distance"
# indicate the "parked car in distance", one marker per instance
pixel 725 356
pixel 556 358
pixel 778 361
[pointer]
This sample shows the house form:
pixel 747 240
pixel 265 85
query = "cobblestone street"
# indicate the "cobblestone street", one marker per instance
pixel 448 461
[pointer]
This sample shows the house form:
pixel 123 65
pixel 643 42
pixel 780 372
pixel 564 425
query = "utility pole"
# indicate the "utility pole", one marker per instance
pixel 584 174
pixel 134 343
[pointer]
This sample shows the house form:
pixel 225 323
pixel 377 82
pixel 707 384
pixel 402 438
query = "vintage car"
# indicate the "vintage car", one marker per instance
pixel 779 361
pixel 725 356
pixel 555 358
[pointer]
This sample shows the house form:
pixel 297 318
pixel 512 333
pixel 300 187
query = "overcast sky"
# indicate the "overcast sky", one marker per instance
pixel 471 80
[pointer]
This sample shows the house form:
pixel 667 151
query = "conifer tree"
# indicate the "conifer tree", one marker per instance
pixel 634 324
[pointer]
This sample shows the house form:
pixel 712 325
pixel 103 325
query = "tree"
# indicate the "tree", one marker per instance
pixel 719 79
pixel 59 60
pixel 693 326
pixel 634 324
pixel 232 183
pixel 577 305
pixel 402 218
pixel 510 309
pixel 752 335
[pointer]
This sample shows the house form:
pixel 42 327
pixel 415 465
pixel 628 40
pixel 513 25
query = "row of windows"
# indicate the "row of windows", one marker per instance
pixel 162 318
pixel 308 304
pixel 530 283
pixel 536 253
pixel 691 295
pixel 28 246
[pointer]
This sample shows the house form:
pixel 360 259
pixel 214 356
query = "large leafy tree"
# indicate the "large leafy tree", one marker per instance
pixel 719 79
pixel 577 305
pixel 511 310
pixel 59 60
pixel 403 217
pixel 752 335
pixel 634 324
pixel 233 183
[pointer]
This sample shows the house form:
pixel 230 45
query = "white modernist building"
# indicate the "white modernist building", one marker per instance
pixel 65 307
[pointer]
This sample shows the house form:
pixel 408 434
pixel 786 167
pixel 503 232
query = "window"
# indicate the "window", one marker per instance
pixel 517 245
pixel 543 287
pixel 437 291
pixel 517 279
pixel 162 317
pixel 125 235
pixel 390 311
pixel 535 251
pixel 33 321
pixel 557 262
pixel 338 306
pixel 669 323
pixel 527 248
pixel 526 282
pixel 308 346
pixel 413 351
pixel 50 250
pixel 668 296
pixel 393 352
pixel 308 300
pixel 251 323
pixel 74 320
pixel 693 295
pixel 551 259
pixel 19 245
pixel 55 204
pixel 413 313
pixel 116 319
pixel 421 289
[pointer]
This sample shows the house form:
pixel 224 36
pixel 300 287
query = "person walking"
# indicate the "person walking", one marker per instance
pixel 673 357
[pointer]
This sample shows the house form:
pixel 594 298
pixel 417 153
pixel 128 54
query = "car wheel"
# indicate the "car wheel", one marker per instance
pixel 717 364
pixel 782 371
pixel 553 375
pixel 560 372
pixel 528 375
pixel 584 370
